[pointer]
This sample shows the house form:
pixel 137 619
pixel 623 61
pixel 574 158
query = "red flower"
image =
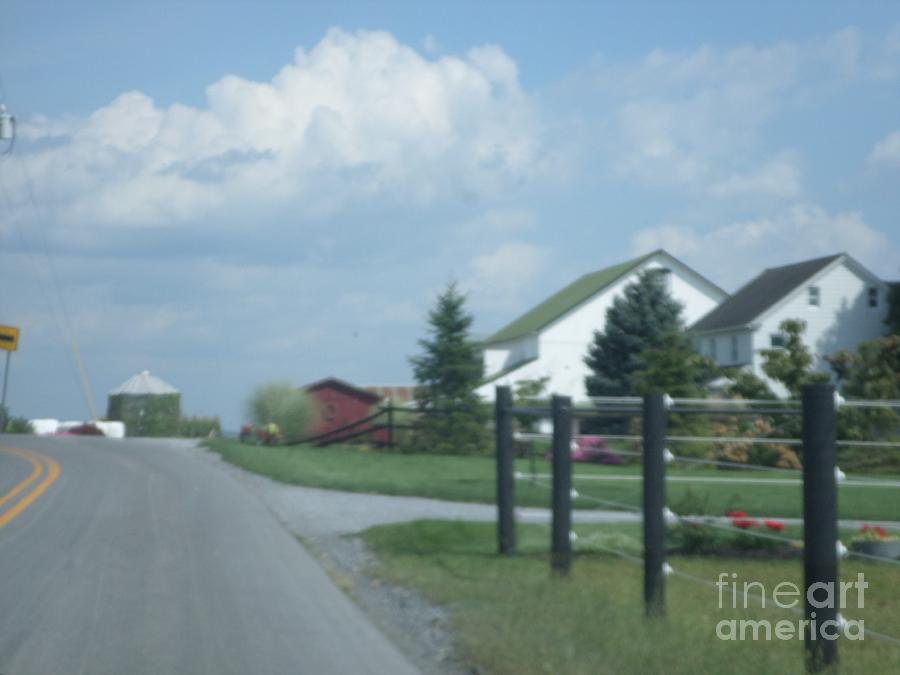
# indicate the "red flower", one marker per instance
pixel 865 528
pixel 775 525
pixel 744 523
pixel 880 531
pixel 736 514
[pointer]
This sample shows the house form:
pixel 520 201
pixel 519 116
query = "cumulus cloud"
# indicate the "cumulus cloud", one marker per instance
pixel 735 253
pixel 496 278
pixel 697 121
pixel 887 150
pixel 360 116
pixel 779 177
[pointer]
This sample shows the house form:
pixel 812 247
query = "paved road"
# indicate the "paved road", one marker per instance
pixel 141 557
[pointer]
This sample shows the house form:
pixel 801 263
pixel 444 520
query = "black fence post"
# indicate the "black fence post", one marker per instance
pixel 561 542
pixel 506 498
pixel 654 432
pixel 390 424
pixel 820 537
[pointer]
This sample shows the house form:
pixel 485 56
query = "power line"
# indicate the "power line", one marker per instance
pixel 66 324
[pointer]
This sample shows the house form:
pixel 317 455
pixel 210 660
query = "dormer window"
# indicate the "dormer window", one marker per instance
pixel 813 296
pixel 873 296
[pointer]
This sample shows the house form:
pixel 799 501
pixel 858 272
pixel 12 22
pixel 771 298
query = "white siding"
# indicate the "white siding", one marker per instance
pixel 842 320
pixel 562 345
pixel 505 354
pixel 720 346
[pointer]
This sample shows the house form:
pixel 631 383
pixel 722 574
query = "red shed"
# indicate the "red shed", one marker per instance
pixel 340 404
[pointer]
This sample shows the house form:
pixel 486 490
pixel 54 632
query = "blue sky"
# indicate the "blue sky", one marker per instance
pixel 230 193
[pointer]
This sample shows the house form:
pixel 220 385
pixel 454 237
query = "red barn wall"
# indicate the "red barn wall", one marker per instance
pixel 338 405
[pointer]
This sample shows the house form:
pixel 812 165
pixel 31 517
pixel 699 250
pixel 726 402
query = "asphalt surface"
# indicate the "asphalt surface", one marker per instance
pixel 143 558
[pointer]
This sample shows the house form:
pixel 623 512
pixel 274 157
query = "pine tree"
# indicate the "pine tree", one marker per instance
pixel 447 373
pixel 892 320
pixel 644 312
pixel 671 366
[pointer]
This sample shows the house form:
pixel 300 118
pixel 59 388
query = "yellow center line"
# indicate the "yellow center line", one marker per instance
pixel 38 470
pixel 39 489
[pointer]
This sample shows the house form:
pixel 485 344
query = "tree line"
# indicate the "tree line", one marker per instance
pixel 644 348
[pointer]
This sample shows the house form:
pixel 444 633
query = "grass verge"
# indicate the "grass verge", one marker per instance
pixel 511 616
pixel 472 479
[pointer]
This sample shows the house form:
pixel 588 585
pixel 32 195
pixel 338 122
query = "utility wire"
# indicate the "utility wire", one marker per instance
pixel 20 231
pixel 699 520
pixel 76 352
pixel 874 558
pixel 68 330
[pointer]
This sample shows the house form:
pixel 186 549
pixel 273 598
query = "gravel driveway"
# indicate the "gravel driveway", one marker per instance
pixel 326 520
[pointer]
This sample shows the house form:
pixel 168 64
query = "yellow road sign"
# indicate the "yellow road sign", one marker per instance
pixel 9 338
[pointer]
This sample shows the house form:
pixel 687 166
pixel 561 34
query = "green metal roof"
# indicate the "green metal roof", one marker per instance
pixel 563 301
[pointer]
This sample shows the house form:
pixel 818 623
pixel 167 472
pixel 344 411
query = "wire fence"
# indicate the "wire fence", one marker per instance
pixel 820 542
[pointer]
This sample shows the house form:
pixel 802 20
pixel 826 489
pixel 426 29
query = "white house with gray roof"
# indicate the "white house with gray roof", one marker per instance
pixel 552 339
pixel 841 302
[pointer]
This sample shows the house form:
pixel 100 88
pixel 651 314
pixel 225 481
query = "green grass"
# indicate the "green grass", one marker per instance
pixel 511 616
pixel 472 479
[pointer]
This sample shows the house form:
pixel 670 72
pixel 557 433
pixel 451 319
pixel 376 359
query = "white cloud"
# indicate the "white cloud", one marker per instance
pixel 733 254
pixel 779 177
pixel 697 120
pixel 887 150
pixel 496 278
pixel 499 221
pixel 358 117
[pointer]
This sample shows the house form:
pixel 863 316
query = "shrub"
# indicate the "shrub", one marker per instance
pixel 146 414
pixel 282 404
pixel 15 425
pixel 199 427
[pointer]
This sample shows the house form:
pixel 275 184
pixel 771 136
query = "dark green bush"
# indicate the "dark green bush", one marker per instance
pixel 146 414
pixel 199 427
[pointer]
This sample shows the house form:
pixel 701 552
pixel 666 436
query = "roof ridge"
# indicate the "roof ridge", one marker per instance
pixel 558 304
pixel 761 293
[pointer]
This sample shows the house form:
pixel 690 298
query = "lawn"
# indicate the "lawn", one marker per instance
pixel 510 615
pixel 472 479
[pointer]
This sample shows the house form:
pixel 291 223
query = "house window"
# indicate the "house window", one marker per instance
pixel 712 348
pixel 873 296
pixel 813 296
pixel 734 348
pixel 777 340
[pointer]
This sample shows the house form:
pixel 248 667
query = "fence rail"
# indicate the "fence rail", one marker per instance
pixel 819 478
pixel 379 427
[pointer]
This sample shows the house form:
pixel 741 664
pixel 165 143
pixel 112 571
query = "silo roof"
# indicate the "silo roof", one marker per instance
pixel 144 383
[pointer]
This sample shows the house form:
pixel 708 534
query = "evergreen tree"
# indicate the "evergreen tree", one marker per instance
pixel 447 372
pixel 636 319
pixel 892 321
pixel 671 366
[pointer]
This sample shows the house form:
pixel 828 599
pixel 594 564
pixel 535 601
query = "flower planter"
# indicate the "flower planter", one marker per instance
pixel 880 549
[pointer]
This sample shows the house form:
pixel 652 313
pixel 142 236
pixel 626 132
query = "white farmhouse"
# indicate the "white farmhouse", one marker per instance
pixel 841 302
pixel 552 339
